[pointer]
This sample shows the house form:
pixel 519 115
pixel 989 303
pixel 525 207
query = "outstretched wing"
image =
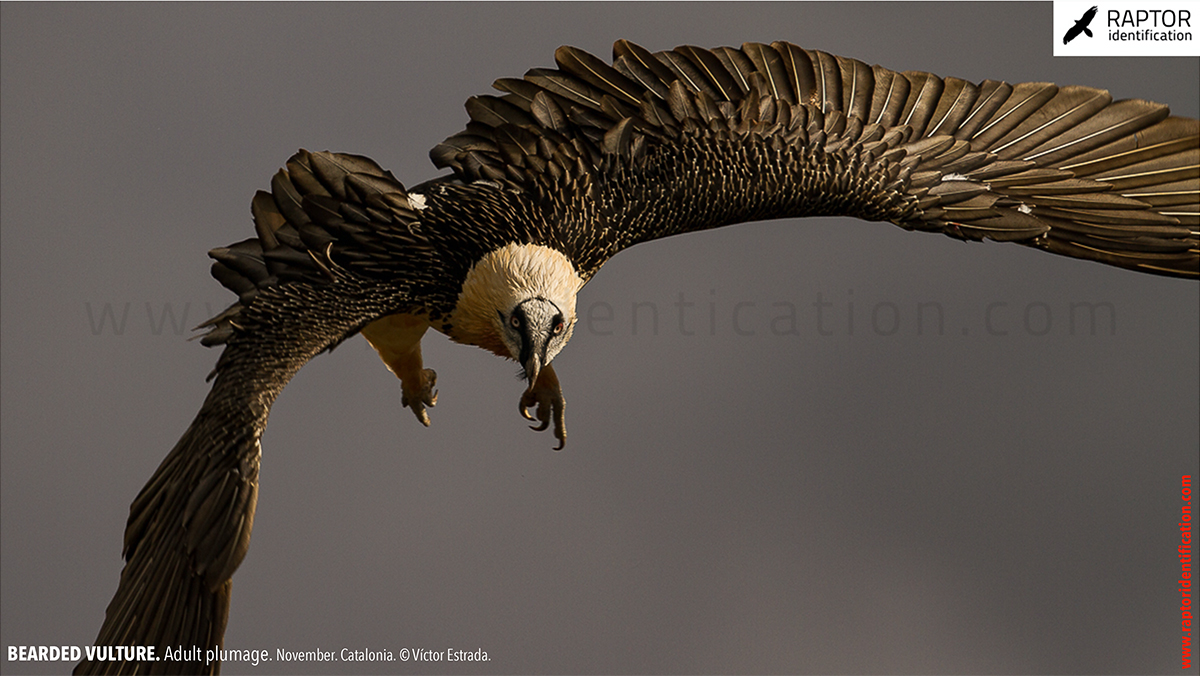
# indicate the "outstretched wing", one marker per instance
pixel 312 277
pixel 325 207
pixel 658 144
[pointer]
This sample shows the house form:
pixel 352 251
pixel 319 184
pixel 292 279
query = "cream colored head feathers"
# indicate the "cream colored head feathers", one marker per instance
pixel 504 279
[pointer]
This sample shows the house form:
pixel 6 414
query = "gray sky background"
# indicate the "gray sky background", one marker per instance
pixel 938 501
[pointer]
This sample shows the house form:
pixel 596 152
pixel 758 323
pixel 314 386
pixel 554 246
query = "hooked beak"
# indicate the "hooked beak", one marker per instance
pixel 533 366
pixel 538 320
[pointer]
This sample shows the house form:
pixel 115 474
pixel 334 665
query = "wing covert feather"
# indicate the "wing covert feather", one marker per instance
pixel 591 158
pixel 313 276
pixel 689 139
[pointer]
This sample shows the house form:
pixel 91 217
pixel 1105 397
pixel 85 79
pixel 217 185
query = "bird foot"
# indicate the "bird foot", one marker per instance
pixel 397 339
pixel 546 394
pixel 416 392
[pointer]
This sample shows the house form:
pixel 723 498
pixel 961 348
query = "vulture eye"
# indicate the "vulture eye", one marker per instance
pixel 558 327
pixel 515 321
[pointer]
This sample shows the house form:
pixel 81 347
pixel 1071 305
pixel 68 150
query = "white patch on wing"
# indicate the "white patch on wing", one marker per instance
pixel 417 201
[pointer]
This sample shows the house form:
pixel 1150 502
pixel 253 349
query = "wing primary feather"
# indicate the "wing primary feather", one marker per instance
pixel 494 111
pixel 568 87
pixel 706 62
pixel 920 108
pixel 888 101
pixel 769 65
pixel 738 66
pixel 1159 170
pixel 1069 107
pixel 957 98
pixel 828 72
pixel 637 56
pixel 595 72
pixel 1117 120
pixel 517 87
pixel 992 95
pixel 639 73
pixel 858 88
pixel 688 73
pixel 1025 100
pixel 799 67
pixel 1172 135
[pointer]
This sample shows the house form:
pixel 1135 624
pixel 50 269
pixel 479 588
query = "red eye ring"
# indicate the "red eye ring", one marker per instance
pixel 558 328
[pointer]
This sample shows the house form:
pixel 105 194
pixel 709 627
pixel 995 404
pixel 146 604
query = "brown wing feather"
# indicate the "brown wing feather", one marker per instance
pixel 727 135
pixel 189 527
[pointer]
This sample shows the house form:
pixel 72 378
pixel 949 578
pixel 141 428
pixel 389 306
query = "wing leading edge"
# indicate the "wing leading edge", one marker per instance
pixel 657 144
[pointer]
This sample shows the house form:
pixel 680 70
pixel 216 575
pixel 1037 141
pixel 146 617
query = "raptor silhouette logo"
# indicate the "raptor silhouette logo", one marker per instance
pixel 1081 26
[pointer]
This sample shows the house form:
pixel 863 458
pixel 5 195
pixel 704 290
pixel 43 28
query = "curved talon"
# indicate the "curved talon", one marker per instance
pixel 524 408
pixel 546 395
pixel 420 394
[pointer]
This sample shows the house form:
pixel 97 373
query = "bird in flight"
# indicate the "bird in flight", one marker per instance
pixel 1081 26
pixel 562 170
